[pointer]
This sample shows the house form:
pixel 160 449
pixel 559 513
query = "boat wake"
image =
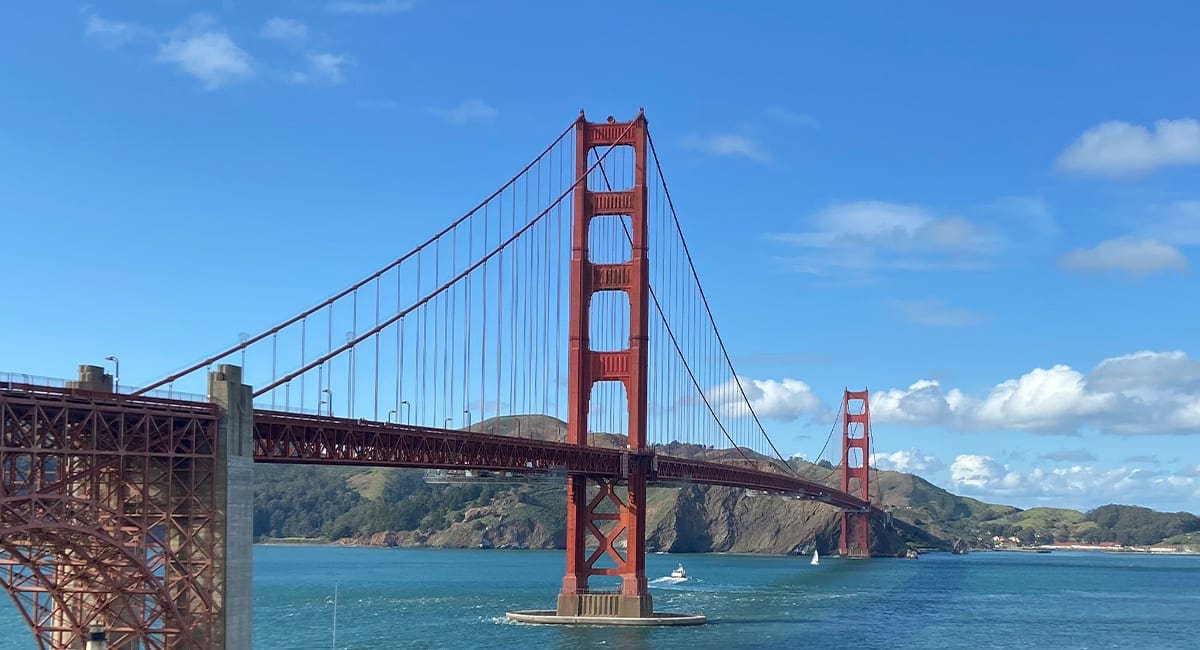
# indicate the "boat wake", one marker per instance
pixel 667 580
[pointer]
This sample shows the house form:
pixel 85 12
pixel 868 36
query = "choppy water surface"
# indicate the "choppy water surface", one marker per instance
pixel 408 598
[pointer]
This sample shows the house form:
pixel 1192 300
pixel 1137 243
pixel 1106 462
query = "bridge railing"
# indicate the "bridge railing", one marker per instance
pixel 9 379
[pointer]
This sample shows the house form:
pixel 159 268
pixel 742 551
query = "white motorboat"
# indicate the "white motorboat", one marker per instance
pixel 679 572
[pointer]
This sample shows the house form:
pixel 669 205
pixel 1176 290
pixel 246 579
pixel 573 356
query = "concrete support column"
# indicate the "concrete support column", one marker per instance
pixel 92 378
pixel 234 595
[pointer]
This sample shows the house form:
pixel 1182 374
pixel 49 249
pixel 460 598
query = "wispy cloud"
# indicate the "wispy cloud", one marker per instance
pixel 284 29
pixel 934 313
pixel 377 104
pixel 863 236
pixel 1080 485
pixel 791 118
pixel 320 68
pixel 1124 150
pixel 206 52
pixel 1175 223
pixel 366 8
pixel 112 34
pixel 1136 257
pixel 1070 456
pixel 728 145
pixel 472 110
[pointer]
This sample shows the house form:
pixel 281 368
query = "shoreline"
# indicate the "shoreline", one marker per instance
pixel 1035 550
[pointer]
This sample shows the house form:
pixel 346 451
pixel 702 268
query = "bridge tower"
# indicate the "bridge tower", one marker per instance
pixel 610 514
pixel 856 454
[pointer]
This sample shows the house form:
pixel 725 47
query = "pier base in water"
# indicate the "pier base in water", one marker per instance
pixel 551 617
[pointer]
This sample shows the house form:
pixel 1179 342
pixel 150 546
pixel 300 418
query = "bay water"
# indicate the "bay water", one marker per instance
pixel 425 598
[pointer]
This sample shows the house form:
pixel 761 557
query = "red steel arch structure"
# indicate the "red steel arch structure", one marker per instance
pixel 108 512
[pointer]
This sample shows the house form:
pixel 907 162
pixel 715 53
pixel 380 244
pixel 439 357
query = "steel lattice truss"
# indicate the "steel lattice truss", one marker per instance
pixel 108 516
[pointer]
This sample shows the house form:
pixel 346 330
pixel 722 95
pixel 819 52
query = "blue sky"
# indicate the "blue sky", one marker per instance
pixel 986 216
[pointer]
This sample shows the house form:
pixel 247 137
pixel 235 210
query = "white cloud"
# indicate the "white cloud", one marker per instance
pixel 472 110
pixel 1070 456
pixel 922 403
pixel 1145 373
pixel 862 236
pixel 934 313
pixel 1079 486
pixel 1137 257
pixel 786 399
pixel 1175 223
pixel 204 51
pixel 911 460
pixel 1136 394
pixel 728 145
pixel 112 34
pixel 321 68
pixel 1124 150
pixel 891 225
pixel 284 29
pixel 366 8
pixel 792 118
pixel 1043 399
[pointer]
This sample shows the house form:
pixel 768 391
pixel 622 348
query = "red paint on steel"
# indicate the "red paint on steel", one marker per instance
pixel 628 366
pixel 856 524
pixel 108 515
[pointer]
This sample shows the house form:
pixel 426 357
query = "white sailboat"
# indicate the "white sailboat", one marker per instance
pixel 816 558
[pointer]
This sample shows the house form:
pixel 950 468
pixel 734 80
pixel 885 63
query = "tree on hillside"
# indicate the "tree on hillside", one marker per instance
pixel 1133 525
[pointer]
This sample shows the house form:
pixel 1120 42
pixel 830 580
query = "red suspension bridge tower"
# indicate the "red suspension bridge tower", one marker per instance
pixel 610 515
pixel 856 453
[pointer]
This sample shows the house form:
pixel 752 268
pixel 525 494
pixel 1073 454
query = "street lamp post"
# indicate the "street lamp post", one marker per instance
pixel 242 338
pixel 408 419
pixel 328 402
pixel 116 372
pixel 467 412
pixel 389 416
pixel 448 421
pixel 350 380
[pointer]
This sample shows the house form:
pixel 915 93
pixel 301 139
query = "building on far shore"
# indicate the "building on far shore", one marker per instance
pixel 1116 546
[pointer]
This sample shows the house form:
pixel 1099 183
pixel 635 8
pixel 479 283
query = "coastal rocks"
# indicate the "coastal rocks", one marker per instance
pixel 390 539
pixel 959 547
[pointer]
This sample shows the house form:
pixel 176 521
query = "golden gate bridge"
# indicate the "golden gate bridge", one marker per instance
pixel 569 291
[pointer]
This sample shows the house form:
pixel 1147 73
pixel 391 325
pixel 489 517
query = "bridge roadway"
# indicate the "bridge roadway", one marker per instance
pixel 285 437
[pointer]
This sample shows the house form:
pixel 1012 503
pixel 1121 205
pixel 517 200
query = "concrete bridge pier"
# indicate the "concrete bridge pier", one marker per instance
pixel 233 595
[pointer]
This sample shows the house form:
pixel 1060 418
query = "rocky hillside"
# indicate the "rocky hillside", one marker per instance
pixel 687 519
